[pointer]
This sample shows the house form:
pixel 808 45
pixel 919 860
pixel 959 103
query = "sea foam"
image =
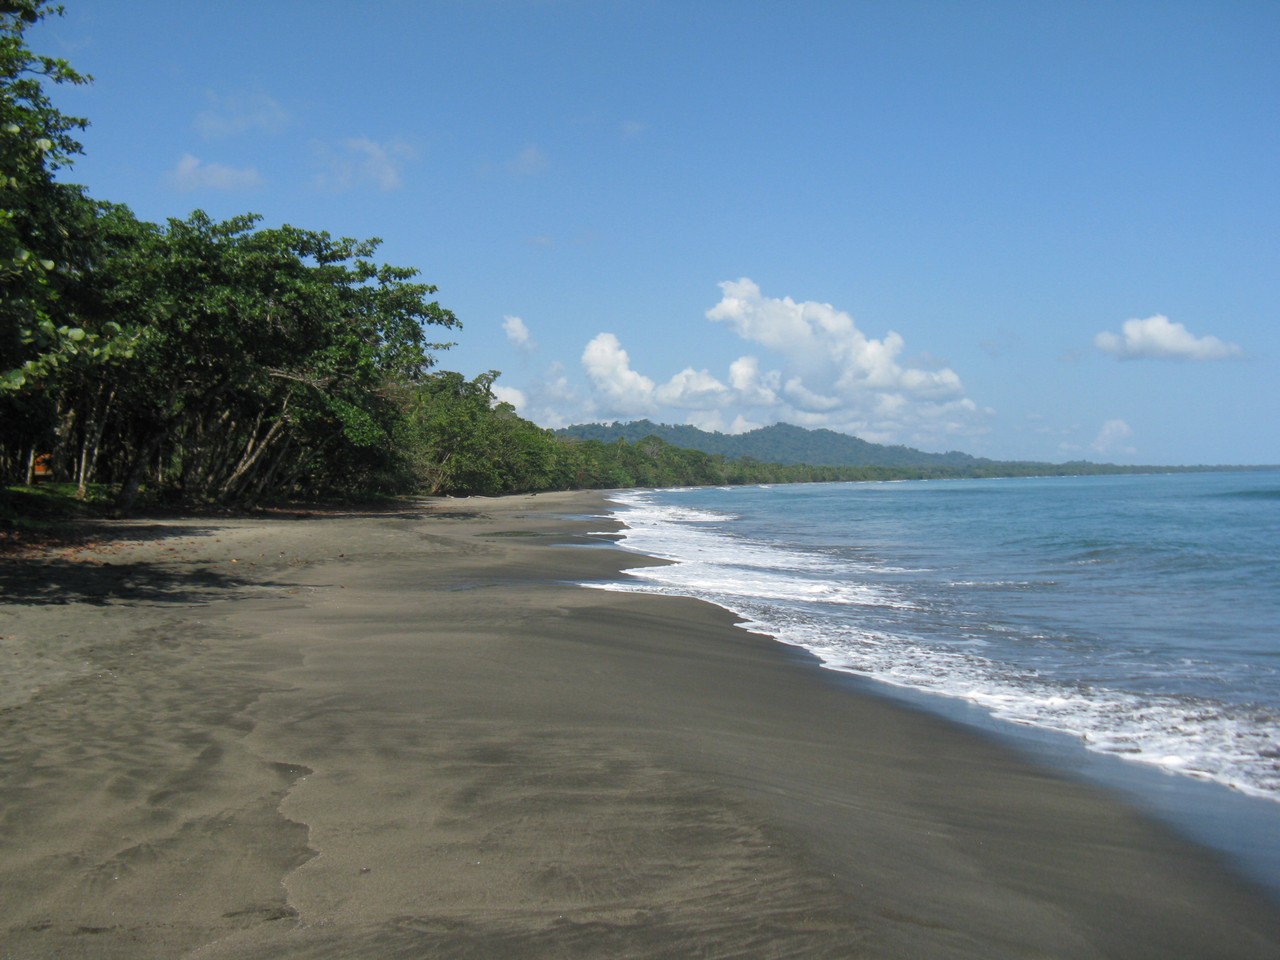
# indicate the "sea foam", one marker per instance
pixel 880 618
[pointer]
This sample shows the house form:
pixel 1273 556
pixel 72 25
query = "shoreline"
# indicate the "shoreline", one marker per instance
pixel 1219 800
pixel 409 732
pixel 1243 825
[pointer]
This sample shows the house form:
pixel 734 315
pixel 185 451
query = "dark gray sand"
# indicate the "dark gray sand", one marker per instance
pixel 408 734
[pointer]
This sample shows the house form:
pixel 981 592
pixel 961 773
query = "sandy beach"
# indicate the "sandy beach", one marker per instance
pixel 411 733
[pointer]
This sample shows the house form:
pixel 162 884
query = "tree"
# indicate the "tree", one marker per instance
pixel 444 424
pixel 45 232
pixel 461 441
pixel 267 357
pixel 220 361
pixel 36 140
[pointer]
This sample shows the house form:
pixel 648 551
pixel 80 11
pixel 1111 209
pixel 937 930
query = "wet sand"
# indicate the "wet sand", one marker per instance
pixel 409 734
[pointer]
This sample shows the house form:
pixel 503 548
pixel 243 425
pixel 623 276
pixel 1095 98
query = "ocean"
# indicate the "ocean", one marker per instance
pixel 1125 628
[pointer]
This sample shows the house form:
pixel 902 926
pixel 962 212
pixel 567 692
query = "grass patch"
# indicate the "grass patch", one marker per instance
pixel 44 504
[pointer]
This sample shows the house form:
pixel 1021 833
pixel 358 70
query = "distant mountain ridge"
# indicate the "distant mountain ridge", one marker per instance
pixel 780 443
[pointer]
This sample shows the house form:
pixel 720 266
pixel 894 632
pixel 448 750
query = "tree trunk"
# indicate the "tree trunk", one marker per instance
pixel 252 454
pixel 198 471
pixel 90 445
pixel 266 477
pixel 137 470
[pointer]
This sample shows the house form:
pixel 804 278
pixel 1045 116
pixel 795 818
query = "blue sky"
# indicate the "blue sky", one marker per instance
pixel 1025 230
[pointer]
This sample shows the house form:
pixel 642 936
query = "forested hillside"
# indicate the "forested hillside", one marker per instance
pixel 825 454
pixel 779 443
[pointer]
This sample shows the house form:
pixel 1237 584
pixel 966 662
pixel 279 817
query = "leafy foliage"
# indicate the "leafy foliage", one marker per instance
pixel 211 361
pixel 37 237
pixel 263 358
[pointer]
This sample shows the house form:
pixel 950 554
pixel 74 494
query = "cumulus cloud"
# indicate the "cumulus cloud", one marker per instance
pixel 624 392
pixel 755 388
pixel 359 161
pixel 823 342
pixel 510 395
pixel 1113 438
pixel 830 373
pixel 694 389
pixel 621 391
pixel 822 371
pixel 742 425
pixel 805 399
pixel 518 333
pixel 192 173
pixel 1158 338
pixel 238 114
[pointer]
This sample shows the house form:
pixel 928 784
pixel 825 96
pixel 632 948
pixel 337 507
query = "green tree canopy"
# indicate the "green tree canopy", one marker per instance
pixel 36 234
pixel 262 352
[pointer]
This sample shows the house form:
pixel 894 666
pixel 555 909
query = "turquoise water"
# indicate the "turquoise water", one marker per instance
pixel 1134 617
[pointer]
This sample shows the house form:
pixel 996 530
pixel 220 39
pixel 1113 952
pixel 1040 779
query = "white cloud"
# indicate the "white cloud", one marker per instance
pixel 823 342
pixel 359 161
pixel 241 113
pixel 624 392
pixel 627 393
pixel 694 389
pixel 510 395
pixel 815 368
pixel 518 333
pixel 824 373
pixel 1157 338
pixel 1113 437
pixel 933 384
pixel 742 425
pixel 779 325
pixel 806 399
pixel 192 173
pixel 754 388
pixel 831 374
pixel 631 129
pixel 711 421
